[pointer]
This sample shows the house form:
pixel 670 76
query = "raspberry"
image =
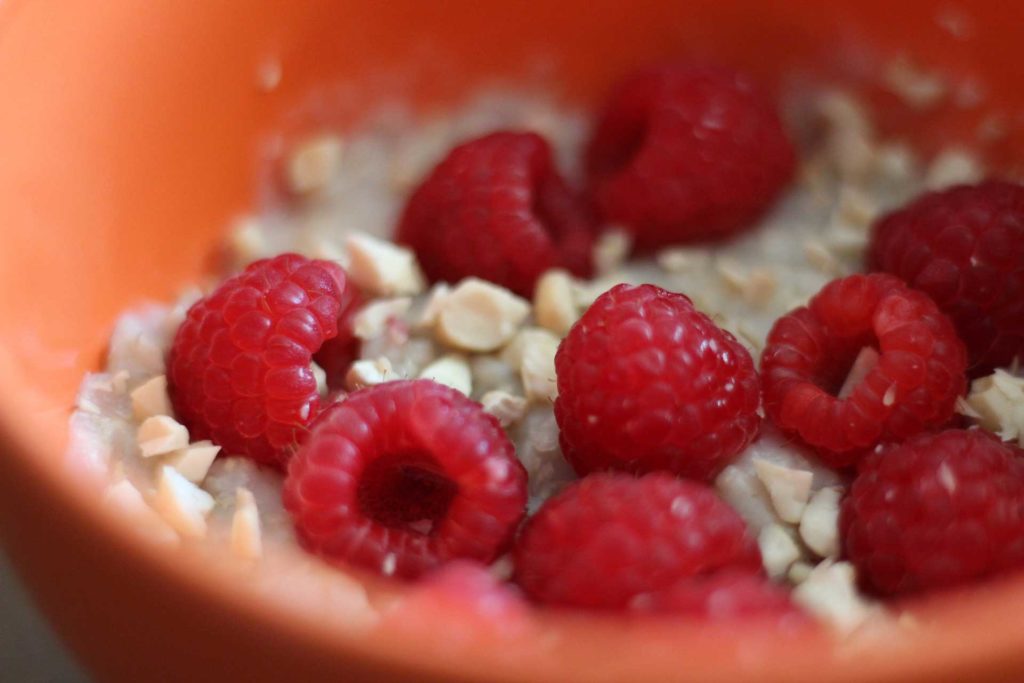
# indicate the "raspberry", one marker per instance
pixel 913 384
pixel 403 477
pixel 610 541
pixel 935 511
pixel 337 354
pixel 727 595
pixel 964 247
pixel 646 382
pixel 685 152
pixel 239 369
pixel 497 209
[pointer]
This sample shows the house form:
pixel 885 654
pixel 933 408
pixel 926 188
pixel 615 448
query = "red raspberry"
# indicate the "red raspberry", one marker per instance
pixel 239 369
pixel 497 209
pixel 403 477
pixel 913 385
pixel 646 382
pixel 337 354
pixel 610 541
pixel 964 247
pixel 935 511
pixel 726 595
pixel 685 152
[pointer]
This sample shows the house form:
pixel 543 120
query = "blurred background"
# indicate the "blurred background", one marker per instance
pixel 29 652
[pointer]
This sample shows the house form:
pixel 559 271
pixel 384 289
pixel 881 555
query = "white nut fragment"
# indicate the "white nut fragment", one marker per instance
pixel 533 353
pixel 150 398
pixel 383 268
pixel 161 434
pixel 611 250
pixel 508 408
pixel 246 536
pixel 996 402
pixel 799 572
pixel 953 166
pixel 128 503
pixel 479 316
pixel 819 525
pixel 367 373
pixel 829 592
pixel 823 260
pixel 247 242
pixel 553 304
pixel 451 370
pixel 788 488
pixel 371 319
pixel 432 307
pixel 193 462
pixel 682 259
pixel 313 163
pixel 756 287
pixel 321 379
pixel 778 550
pixel 918 88
pixel 181 503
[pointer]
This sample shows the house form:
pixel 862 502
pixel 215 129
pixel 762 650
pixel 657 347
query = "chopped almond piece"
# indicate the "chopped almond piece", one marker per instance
pixel 819 525
pixel 383 268
pixel 553 304
pixel 367 373
pixel 451 370
pixel 161 434
pixel 788 488
pixel 778 550
pixel 508 408
pixel 193 462
pixel 150 398
pixel 313 163
pixel 181 503
pixel 479 316
pixel 246 537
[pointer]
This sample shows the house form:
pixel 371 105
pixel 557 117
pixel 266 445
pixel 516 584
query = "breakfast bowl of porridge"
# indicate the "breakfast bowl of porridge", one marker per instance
pixel 524 342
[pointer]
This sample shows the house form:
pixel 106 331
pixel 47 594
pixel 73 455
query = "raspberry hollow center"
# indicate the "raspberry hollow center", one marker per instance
pixel 861 367
pixel 406 492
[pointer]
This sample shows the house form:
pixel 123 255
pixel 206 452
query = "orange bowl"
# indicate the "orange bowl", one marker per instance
pixel 131 133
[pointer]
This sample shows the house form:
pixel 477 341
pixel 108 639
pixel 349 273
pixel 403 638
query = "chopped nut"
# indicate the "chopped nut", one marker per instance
pixel 799 572
pixel 491 373
pixel 788 488
pixel 918 88
pixel 819 525
pixel 129 504
pixel 479 316
pixel 321 379
pixel 830 593
pixel 533 352
pixel 150 398
pixel 367 373
pixel 553 303
pixel 451 370
pixel 997 404
pixel 508 408
pixel 778 550
pixel 161 434
pixel 953 167
pixel 246 538
pixel 193 462
pixel 383 268
pixel 181 503
pixel 821 258
pixel 611 250
pixel 427 317
pixel 372 319
pixel 850 141
pixel 855 209
pixel 863 364
pixel 247 242
pixel 313 163
pixel 681 259
pixel 895 163
pixel 756 287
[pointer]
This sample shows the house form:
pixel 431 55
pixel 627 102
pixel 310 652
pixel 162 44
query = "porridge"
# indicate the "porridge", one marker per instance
pixel 555 339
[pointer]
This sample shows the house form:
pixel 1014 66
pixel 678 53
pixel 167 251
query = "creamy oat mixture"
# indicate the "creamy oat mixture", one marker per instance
pixel 499 348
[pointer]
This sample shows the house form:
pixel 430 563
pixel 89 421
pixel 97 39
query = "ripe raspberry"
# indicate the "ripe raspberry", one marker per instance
pixel 685 152
pixel 496 208
pixel 239 369
pixel 610 541
pixel 726 595
pixel 964 247
pixel 646 382
pixel 337 354
pixel 938 510
pixel 403 477
pixel 914 384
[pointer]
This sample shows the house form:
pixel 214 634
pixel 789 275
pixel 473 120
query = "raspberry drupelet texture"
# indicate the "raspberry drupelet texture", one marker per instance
pixel 646 382
pixel 684 152
pixel 964 247
pixel 496 208
pixel 239 368
pixel 911 383
pixel 726 595
pixel 611 541
pixel 935 511
pixel 403 477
